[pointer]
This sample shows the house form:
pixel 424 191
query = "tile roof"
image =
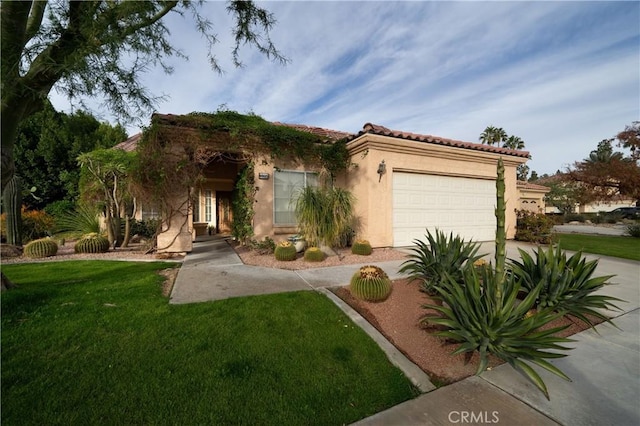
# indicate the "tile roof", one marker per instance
pixel 130 144
pixel 532 186
pixel 376 129
pixel 319 131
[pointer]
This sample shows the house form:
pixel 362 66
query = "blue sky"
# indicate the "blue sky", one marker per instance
pixel 560 75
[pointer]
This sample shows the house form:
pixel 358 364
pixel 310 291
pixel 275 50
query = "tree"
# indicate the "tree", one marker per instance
pixel 630 138
pixel 493 135
pixel 99 48
pixel 522 171
pixel 47 148
pixel 606 175
pixel 513 142
pixel 563 195
pixel 534 176
pixel 604 153
pixel 105 174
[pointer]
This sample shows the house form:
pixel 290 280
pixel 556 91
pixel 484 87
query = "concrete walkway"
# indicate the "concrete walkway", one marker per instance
pixel 604 366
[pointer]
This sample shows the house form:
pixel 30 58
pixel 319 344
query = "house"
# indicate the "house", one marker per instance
pixel 403 183
pixel 532 196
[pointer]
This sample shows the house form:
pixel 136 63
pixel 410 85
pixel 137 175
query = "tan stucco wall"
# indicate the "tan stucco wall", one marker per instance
pixel 374 199
pixel 263 219
pixel 532 201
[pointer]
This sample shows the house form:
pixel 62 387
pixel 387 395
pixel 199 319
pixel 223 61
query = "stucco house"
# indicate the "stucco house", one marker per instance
pixel 403 183
pixel 532 196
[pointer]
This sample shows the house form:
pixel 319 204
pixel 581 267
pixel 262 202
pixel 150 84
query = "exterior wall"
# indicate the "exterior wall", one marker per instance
pixel 263 222
pixel 374 195
pixel 532 201
pixel 605 207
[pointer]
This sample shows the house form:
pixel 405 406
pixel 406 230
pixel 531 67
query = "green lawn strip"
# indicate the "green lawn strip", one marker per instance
pixel 92 342
pixel 624 247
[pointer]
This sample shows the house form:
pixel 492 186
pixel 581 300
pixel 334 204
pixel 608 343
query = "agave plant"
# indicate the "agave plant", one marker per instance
pixel 566 285
pixel 440 256
pixel 476 317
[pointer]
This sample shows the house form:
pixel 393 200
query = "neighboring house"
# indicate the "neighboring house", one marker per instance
pixel 531 196
pixel 403 183
pixel 603 206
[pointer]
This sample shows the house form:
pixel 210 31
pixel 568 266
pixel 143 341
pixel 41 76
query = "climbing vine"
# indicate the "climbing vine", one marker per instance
pixel 175 149
pixel 242 205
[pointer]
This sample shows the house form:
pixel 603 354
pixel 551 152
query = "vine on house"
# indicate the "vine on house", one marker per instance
pixel 174 151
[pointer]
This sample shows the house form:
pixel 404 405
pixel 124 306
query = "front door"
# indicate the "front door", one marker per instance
pixel 223 207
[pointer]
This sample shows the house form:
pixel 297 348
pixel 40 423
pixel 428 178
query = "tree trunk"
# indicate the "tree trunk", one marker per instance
pixel 127 231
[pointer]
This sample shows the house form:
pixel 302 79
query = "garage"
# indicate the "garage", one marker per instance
pixel 462 205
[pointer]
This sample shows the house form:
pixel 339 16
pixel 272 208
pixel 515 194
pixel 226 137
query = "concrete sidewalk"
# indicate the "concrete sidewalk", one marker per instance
pixel 604 366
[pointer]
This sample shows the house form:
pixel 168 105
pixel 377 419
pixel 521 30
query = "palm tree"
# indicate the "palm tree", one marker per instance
pixel 513 142
pixel 493 135
pixel 604 153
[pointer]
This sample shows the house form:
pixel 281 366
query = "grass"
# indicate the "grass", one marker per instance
pixel 624 247
pixel 94 342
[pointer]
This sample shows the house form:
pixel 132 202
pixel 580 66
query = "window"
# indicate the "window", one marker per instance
pixel 196 208
pixel 286 186
pixel 208 201
pixel 150 212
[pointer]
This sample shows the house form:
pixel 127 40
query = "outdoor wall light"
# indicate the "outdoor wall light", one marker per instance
pixel 382 169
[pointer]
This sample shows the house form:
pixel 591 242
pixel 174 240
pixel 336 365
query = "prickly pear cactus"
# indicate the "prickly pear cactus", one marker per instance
pixel 92 243
pixel 43 247
pixel 370 283
pixel 313 254
pixel 361 247
pixel 285 251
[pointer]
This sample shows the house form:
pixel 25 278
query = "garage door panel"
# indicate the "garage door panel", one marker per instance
pixel 463 206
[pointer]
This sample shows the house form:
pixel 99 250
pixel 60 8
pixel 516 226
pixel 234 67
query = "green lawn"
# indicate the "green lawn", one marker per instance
pixel 624 247
pixel 90 342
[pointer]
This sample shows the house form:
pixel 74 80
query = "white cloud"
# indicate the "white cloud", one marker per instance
pixel 560 75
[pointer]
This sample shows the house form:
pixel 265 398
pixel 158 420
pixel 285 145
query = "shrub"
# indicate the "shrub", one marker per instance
pixel 565 285
pixel 361 247
pixel 324 214
pixel 59 208
pixel 43 247
pixel 147 228
pixel 84 219
pixel 370 283
pixel 36 224
pixel 313 254
pixel 573 217
pixel 266 246
pixel 633 230
pixel 475 317
pixel 92 243
pixel 533 227
pixel 285 251
pixel 438 258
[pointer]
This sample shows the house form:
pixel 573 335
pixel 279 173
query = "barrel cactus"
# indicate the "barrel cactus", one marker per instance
pixel 92 243
pixel 370 283
pixel 285 251
pixel 44 247
pixel 313 254
pixel 361 247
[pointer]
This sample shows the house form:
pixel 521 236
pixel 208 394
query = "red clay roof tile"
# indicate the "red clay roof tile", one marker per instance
pixel 376 129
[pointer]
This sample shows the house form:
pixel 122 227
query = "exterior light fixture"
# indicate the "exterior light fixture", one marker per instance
pixel 382 169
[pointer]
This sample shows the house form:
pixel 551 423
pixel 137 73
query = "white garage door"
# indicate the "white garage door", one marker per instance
pixel 464 206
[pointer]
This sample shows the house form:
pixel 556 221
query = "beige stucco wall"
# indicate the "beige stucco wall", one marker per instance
pixel 532 201
pixel 374 199
pixel 176 232
pixel 263 219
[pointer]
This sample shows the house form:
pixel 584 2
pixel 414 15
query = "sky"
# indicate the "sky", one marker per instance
pixel 560 75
